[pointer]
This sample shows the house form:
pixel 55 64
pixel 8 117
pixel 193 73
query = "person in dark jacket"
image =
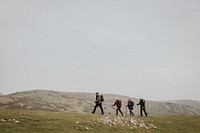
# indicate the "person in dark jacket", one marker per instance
pixel 130 106
pixel 142 106
pixel 118 103
pixel 98 102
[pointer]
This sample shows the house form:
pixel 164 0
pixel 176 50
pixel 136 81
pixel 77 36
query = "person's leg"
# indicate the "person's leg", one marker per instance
pixel 145 111
pixel 117 111
pixel 120 111
pixel 141 111
pixel 94 108
pixel 131 111
pixel 100 105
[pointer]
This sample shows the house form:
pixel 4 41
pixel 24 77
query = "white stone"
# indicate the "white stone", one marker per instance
pixel 142 125
pixel 2 120
pixel 87 128
pixel 16 121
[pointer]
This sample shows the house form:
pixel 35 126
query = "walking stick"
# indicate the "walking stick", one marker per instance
pixel 138 110
pixel 113 108
pixel 126 110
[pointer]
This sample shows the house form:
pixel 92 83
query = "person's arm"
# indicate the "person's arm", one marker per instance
pixel 139 103
pixel 114 104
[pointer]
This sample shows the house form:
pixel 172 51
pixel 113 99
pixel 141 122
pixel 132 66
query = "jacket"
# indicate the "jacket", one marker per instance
pixel 118 103
pixel 141 103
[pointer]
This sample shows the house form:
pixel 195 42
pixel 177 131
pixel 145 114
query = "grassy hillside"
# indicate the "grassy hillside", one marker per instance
pixel 23 121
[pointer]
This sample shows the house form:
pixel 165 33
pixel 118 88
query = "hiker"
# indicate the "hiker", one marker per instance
pixel 118 103
pixel 98 101
pixel 142 106
pixel 130 107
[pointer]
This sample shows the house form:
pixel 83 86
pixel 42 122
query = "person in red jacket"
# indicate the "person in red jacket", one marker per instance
pixel 118 103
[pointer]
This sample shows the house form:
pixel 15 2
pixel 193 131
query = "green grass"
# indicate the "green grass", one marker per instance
pixel 65 122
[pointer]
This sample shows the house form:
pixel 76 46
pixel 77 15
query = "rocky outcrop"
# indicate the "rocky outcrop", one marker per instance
pixel 116 121
pixel 121 121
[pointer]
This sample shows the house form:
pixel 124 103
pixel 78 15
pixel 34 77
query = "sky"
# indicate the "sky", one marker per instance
pixel 139 48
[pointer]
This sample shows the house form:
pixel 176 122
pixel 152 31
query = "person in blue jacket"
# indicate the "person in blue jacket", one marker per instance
pixel 130 107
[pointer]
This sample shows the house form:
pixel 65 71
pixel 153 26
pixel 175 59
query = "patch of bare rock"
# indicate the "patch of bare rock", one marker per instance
pixel 116 121
pixel 121 121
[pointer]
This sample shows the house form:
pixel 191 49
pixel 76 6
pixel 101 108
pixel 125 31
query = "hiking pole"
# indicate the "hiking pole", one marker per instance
pixel 126 110
pixel 113 107
pixel 138 110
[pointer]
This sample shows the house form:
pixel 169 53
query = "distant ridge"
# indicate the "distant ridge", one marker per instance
pixel 193 103
pixel 50 100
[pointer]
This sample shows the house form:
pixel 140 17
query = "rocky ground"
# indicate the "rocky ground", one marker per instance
pixel 121 121
pixel 117 121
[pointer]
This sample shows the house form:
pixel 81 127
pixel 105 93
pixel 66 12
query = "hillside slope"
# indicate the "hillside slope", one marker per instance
pixel 84 103
pixel 23 121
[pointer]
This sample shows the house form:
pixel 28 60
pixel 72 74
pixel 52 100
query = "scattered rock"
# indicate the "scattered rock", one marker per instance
pixel 152 126
pixel 22 114
pixel 84 126
pixel 134 122
pixel 142 125
pixel 2 120
pixel 168 122
pixel 16 121
pixel 92 125
pixel 87 128
pixel 125 122
pixel 10 120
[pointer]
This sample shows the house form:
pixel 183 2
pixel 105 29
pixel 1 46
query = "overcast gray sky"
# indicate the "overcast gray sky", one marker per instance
pixel 138 48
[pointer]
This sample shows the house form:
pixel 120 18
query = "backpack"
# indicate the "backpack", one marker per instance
pixel 131 103
pixel 120 102
pixel 101 97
